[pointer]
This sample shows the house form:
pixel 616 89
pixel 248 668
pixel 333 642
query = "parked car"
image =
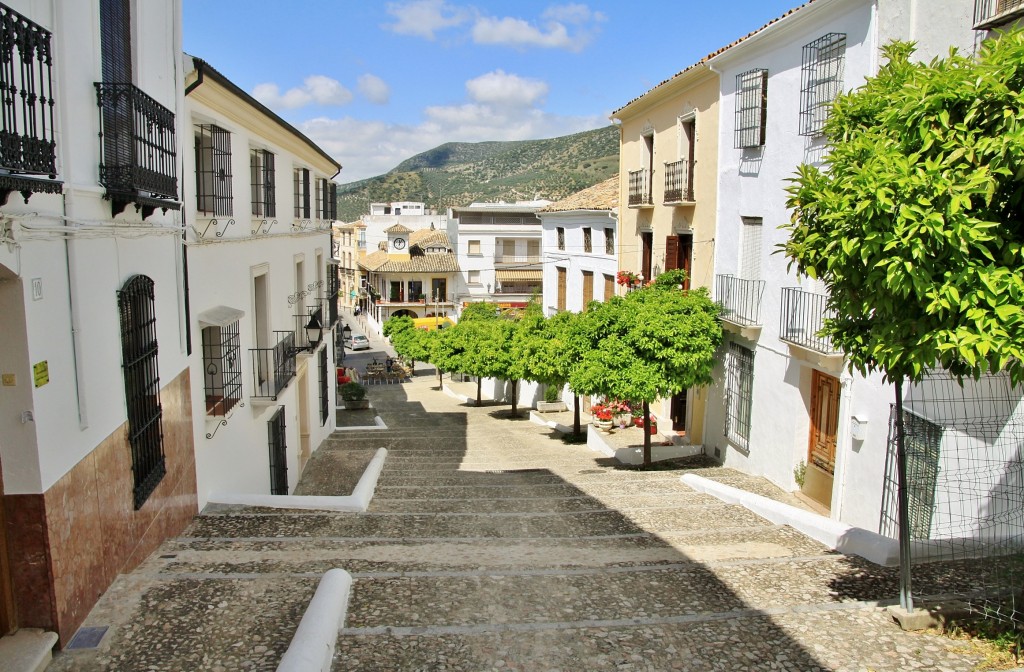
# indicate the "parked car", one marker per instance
pixel 357 342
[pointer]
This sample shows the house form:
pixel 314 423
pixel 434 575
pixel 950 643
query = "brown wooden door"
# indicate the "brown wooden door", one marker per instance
pixel 679 412
pixel 678 252
pixel 561 289
pixel 821 451
pixel 646 261
pixel 588 288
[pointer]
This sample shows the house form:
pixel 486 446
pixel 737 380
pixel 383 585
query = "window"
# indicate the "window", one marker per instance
pixel 474 247
pixel 739 392
pixel 561 289
pixel 213 170
pixel 261 169
pixel 439 289
pixel 609 241
pixel 301 180
pixel 416 290
pixel 222 368
pixel 588 288
pixel 532 251
pixel 821 80
pixel 750 241
pixel 278 453
pixel 142 385
pixel 473 277
pixel 751 108
pixel 609 287
pixel 561 237
pixel 587 240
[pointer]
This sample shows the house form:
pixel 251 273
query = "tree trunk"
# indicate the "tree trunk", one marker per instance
pixel 479 386
pixel 440 383
pixel 575 413
pixel 515 397
pixel 647 434
pixel 903 503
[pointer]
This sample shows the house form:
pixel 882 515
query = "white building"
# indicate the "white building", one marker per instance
pixel 96 444
pixel 410 214
pixel 260 215
pixel 499 251
pixel 578 238
pixel 783 397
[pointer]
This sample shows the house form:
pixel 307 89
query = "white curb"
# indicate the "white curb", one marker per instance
pixel 358 501
pixel 312 647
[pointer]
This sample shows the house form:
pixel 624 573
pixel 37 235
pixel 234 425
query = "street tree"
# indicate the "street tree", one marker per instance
pixel 652 343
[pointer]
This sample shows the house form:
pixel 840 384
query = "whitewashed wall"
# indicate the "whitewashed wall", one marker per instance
pixel 573 258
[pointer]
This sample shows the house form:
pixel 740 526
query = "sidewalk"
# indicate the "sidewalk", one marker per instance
pixel 491 545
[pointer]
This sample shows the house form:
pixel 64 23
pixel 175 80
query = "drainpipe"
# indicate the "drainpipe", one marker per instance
pixel 77 357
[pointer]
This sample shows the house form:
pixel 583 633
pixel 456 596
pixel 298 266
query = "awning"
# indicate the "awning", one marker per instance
pixel 221 316
pixel 518 275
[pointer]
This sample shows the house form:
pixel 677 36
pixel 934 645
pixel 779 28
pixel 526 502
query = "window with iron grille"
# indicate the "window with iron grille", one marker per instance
pixel 325 396
pixel 278 453
pixel 751 108
pixel 739 393
pixel 588 245
pixel 609 241
pixel 222 368
pixel 332 202
pixel 213 170
pixel 142 385
pixel 261 168
pixel 301 193
pixel 821 80
pixel 561 237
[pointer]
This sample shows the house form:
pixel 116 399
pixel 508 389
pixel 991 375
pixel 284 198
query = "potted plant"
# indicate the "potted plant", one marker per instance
pixel 552 402
pixel 354 396
pixel 602 416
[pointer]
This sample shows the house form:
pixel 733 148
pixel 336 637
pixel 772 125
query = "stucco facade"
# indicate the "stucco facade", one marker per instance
pixel 668 192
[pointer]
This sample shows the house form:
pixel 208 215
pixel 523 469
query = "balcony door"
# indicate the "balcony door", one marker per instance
pixel 821 445
pixel 678 254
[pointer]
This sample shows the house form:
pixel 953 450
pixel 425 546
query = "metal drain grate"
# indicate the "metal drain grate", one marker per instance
pixel 88 637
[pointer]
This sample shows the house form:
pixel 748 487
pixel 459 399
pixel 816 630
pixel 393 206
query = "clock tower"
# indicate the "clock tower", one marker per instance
pixel 398 242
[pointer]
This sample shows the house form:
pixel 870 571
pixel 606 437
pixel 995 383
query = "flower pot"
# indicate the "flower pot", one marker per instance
pixel 603 425
pixel 550 406
pixel 356 404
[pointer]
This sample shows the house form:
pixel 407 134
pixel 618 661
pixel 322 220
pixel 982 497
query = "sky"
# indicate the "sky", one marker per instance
pixel 374 83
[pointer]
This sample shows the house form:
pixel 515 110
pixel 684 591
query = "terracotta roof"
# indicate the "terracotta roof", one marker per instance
pixel 351 225
pixel 425 238
pixel 381 262
pixel 601 196
pixel 713 54
pixel 398 228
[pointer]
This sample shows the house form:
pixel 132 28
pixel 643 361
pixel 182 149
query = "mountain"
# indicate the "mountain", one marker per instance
pixel 459 173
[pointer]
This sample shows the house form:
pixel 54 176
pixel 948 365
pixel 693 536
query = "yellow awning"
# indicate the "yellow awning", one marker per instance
pixel 518 274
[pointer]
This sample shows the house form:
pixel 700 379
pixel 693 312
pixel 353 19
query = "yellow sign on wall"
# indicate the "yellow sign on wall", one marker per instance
pixel 41 373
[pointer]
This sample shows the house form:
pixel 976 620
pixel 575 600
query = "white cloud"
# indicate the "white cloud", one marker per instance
pixel 500 88
pixel 519 33
pixel 316 89
pixel 374 89
pixel 424 18
pixel 573 13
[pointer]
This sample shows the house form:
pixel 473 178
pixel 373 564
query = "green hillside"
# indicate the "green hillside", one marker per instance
pixel 458 173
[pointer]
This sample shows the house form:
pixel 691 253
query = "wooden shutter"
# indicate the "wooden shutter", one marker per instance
pixel 561 289
pixel 609 287
pixel 116 40
pixel 671 254
pixel 588 288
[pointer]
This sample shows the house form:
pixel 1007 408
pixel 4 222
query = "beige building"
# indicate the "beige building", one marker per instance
pixel 668 172
pixel 349 245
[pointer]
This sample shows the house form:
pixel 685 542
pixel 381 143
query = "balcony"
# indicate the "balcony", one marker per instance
pixel 522 260
pixel 740 299
pixel 28 151
pixel 679 183
pixel 640 188
pixel 273 368
pixel 803 316
pixel 137 145
pixel 989 14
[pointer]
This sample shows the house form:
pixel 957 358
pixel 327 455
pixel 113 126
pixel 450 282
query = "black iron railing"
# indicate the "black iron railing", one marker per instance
pixel 678 187
pixel 273 368
pixel 276 440
pixel 803 316
pixel 331 298
pixel 740 299
pixel 992 13
pixel 26 97
pixel 640 187
pixel 138 144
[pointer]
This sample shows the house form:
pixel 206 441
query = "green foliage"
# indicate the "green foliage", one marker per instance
pixel 914 225
pixel 353 392
pixel 552 393
pixel 408 341
pixel 458 173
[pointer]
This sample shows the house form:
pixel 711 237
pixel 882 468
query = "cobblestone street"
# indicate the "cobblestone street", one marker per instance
pixel 491 545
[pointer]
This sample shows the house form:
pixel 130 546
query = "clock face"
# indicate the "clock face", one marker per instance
pixel 399 243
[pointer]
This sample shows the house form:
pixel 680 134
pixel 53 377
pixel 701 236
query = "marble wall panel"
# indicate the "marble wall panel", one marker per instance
pixel 30 560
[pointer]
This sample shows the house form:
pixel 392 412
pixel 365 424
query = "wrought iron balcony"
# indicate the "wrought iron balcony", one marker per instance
pixel 803 316
pixel 27 145
pixel 678 182
pixel 640 188
pixel 273 368
pixel 740 299
pixel 990 14
pixel 138 149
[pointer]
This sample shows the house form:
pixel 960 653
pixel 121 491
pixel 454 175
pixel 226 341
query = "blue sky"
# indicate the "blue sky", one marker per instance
pixel 374 83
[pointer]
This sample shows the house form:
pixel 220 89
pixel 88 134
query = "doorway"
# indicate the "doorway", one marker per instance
pixel 821 444
pixel 679 412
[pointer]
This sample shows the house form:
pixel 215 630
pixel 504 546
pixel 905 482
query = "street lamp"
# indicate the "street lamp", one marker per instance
pixel 314 331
